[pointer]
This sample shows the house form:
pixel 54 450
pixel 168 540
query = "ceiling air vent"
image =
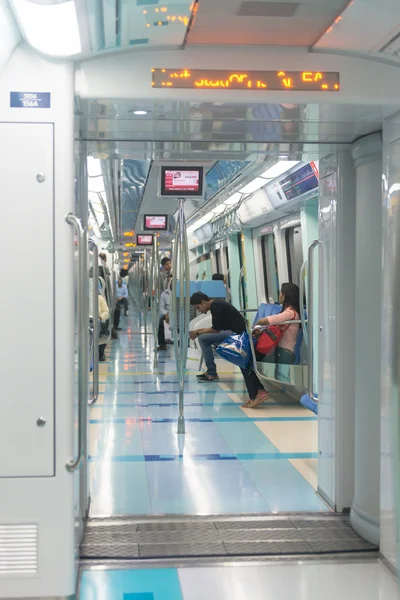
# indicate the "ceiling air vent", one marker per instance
pixel 393 46
pixel 249 8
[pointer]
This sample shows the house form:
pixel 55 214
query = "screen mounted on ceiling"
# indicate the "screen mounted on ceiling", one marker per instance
pixel 155 222
pixel 316 81
pixel 181 182
pixel 144 240
pixel 300 182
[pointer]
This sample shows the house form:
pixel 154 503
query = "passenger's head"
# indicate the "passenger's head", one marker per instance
pixel 290 296
pixel 119 281
pixel 103 257
pixel 201 302
pixel 218 277
pixel 166 264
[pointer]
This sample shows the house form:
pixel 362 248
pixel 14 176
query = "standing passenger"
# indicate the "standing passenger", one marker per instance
pixel 165 303
pixel 104 315
pixel 165 271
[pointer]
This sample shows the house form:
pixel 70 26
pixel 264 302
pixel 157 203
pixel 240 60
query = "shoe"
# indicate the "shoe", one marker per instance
pixel 119 328
pixel 102 358
pixel 127 313
pixel 114 335
pixel 208 378
pixel 260 399
pixel 162 347
pixel 201 375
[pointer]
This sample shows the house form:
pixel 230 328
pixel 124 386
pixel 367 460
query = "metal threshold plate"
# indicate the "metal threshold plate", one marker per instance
pixel 161 538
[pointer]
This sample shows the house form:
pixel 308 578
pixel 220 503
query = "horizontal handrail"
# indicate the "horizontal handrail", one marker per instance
pixel 294 322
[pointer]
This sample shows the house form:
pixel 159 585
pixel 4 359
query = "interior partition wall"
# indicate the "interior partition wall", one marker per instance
pixel 390 345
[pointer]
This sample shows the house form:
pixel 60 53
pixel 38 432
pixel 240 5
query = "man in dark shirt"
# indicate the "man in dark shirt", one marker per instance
pixel 226 320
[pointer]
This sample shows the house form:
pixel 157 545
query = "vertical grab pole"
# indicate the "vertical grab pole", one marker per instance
pixel 241 275
pixel 303 273
pixel 146 290
pixel 155 281
pixel 310 319
pixel 96 327
pixel 176 334
pixel 181 266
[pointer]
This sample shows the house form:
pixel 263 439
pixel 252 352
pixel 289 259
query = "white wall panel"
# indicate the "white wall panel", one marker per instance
pixel 44 503
pixel 27 368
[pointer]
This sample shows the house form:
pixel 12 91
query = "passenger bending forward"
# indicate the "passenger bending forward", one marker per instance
pixel 226 320
pixel 284 354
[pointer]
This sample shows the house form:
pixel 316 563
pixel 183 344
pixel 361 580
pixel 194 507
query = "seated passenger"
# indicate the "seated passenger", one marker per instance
pixel 104 315
pixel 122 295
pixel 226 320
pixel 165 302
pixel 284 352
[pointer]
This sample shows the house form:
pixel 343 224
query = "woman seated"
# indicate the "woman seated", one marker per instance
pixel 284 353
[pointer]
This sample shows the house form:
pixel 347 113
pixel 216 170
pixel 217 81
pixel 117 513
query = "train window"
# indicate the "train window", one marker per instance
pixel 270 268
pixel 294 253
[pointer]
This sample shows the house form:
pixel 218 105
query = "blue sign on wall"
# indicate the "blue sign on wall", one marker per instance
pixel 30 99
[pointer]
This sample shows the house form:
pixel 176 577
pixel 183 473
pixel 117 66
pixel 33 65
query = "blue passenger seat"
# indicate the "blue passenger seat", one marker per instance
pixel 266 310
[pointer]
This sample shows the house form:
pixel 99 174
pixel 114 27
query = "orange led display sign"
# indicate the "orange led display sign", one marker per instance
pixel 316 81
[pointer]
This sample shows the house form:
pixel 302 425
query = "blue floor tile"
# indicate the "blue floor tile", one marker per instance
pixel 282 486
pixel 245 437
pixel 137 584
pixel 202 487
pixel 200 438
pixel 116 439
pixel 119 489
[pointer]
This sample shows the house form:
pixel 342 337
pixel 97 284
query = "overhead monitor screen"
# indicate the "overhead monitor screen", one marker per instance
pixel 181 181
pixel 144 240
pixel 300 182
pixel 155 223
pixel 315 81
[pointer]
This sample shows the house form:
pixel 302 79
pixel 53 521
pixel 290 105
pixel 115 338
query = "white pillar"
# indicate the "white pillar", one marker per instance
pixel 367 156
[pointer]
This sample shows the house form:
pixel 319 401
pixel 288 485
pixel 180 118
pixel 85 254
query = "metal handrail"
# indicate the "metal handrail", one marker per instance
pixel 181 266
pixel 310 295
pixel 292 322
pixel 302 285
pixel 96 328
pixel 155 289
pixel 83 350
pixel 241 277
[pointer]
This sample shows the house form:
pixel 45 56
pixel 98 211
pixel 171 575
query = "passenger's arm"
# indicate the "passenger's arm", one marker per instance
pixel 194 334
pixel 286 315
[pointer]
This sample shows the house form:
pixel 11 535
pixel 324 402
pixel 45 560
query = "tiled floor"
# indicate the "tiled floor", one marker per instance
pixel 231 460
pixel 293 581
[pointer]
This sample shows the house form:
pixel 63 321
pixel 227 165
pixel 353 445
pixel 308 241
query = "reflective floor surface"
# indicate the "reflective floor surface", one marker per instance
pixel 293 581
pixel 231 460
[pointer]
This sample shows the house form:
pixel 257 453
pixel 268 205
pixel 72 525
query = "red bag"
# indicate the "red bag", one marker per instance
pixel 269 339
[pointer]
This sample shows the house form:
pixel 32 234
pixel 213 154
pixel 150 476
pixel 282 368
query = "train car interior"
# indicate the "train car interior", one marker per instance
pixel 153 204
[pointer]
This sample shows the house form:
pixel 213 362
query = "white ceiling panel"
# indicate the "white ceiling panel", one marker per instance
pixel 221 23
pixel 365 26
